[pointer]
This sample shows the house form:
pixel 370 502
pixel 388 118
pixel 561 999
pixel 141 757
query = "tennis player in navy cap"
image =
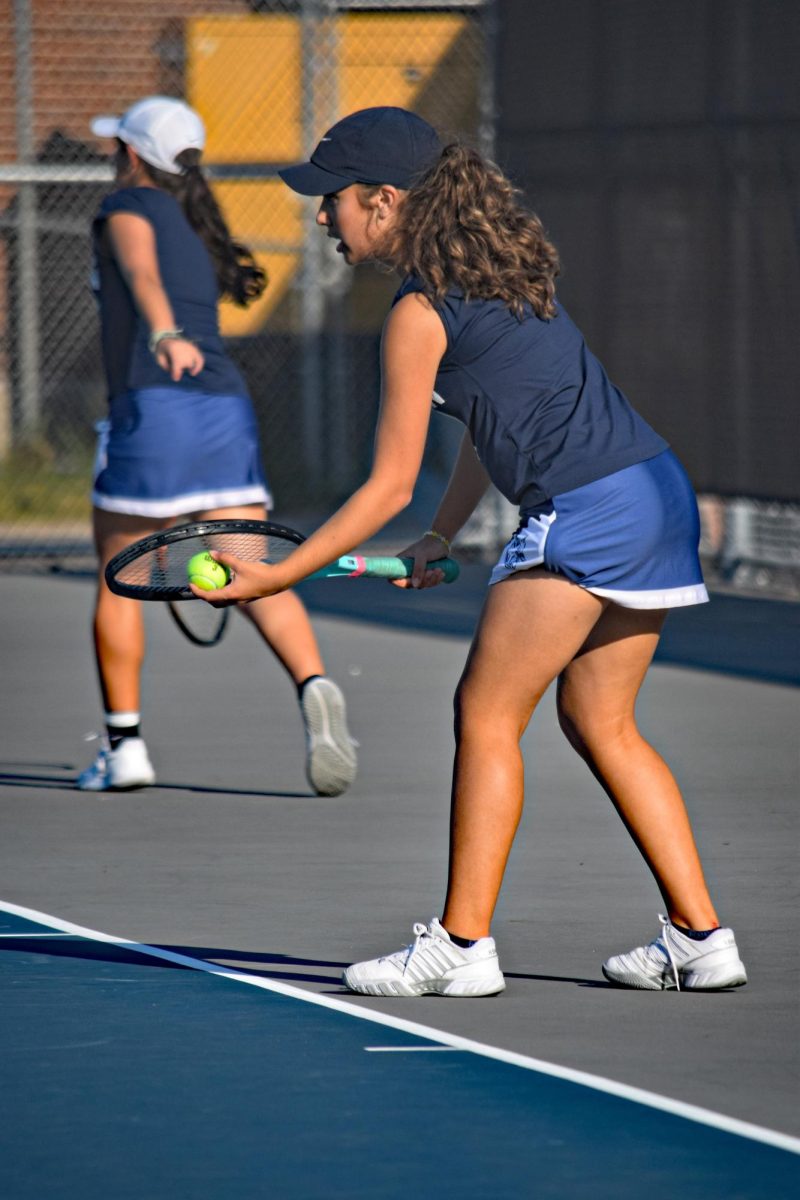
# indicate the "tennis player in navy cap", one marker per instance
pixel 375 145
pixel 606 544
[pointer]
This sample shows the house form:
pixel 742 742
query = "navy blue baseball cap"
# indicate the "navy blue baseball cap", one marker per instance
pixel 374 145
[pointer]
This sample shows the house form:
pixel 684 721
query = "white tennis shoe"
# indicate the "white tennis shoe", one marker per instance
pixel 126 766
pixel 673 960
pixel 431 965
pixel 331 760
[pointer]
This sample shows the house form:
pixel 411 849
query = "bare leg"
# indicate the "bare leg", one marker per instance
pixel 532 625
pixel 596 701
pixel 283 623
pixel 118 625
pixel 282 620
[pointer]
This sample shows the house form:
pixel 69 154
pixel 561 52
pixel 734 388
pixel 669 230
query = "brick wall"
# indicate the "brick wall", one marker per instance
pixel 88 57
pixel 92 56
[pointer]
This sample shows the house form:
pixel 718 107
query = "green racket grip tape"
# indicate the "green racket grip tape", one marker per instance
pixel 355 566
pixel 448 565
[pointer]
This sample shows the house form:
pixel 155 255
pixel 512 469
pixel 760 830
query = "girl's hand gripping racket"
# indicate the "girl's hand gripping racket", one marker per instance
pixel 155 568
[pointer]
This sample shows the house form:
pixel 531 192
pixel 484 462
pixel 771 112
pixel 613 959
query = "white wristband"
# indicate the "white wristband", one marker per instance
pixel 163 335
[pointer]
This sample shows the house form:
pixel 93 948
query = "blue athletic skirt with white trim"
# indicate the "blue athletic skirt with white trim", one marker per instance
pixel 165 452
pixel 631 537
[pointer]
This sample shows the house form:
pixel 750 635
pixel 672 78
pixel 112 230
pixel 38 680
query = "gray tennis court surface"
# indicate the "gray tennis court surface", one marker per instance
pixel 232 861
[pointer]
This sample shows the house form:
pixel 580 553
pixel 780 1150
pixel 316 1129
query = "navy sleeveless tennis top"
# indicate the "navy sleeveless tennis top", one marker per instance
pixel 543 415
pixel 187 274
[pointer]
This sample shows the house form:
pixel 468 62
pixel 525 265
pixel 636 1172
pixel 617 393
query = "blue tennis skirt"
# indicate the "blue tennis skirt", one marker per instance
pixel 631 537
pixel 164 452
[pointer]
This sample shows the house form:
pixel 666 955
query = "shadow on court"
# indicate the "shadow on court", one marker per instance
pixel 265 964
pixel 35 780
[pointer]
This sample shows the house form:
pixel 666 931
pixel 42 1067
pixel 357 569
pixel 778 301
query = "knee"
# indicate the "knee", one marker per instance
pixel 589 727
pixel 486 716
pixel 569 721
pixel 580 721
pixel 462 708
pixel 474 715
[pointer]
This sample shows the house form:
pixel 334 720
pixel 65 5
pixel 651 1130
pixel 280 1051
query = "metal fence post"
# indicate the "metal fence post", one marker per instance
pixel 27 280
pixel 319 66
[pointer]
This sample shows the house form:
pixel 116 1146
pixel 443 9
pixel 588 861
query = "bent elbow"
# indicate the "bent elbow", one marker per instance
pixel 391 496
pixel 402 499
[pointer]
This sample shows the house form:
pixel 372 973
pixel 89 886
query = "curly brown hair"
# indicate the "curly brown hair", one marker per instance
pixel 463 226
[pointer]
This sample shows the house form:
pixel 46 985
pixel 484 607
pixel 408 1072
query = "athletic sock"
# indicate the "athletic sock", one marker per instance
pixel 301 686
pixel 697 935
pixel 464 943
pixel 121 725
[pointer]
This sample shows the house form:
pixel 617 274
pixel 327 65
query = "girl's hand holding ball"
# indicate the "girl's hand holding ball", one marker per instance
pixel 206 573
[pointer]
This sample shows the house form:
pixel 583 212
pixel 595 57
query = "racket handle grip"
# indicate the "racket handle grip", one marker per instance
pixel 448 565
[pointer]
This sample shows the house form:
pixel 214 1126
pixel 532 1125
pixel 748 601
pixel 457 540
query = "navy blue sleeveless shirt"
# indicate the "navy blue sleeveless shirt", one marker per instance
pixel 543 415
pixel 187 274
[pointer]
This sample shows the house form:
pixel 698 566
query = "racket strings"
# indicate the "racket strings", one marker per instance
pixel 164 567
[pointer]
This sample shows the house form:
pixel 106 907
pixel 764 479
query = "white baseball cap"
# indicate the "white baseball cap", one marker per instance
pixel 158 128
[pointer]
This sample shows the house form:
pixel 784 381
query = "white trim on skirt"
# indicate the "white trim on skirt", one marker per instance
pixel 178 506
pixel 677 597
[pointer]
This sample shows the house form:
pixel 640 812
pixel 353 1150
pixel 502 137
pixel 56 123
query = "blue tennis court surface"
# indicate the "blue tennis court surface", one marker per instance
pixel 127 1075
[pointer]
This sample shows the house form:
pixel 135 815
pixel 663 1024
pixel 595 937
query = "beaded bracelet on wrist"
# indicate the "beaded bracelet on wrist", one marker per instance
pixel 434 533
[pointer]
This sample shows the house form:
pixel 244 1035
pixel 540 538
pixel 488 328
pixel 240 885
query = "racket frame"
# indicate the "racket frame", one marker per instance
pixel 182 533
pixel 223 615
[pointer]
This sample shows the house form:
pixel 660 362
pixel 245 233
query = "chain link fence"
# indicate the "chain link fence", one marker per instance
pixel 268 77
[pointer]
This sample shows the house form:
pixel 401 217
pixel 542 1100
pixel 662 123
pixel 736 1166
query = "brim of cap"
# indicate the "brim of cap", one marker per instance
pixel 310 180
pixel 105 127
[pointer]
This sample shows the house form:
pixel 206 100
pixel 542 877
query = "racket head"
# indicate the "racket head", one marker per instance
pixel 154 568
pixel 202 624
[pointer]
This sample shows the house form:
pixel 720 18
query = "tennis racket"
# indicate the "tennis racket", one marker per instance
pixel 202 624
pixel 155 567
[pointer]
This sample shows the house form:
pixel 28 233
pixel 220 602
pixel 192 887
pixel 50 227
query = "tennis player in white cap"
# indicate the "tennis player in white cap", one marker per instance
pixel 181 439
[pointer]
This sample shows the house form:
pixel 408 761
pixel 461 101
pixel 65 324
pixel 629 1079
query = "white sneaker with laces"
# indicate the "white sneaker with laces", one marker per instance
pixel 673 960
pixel 331 760
pixel 431 965
pixel 126 766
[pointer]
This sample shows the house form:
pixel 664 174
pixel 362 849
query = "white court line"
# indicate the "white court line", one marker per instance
pixel 676 1108
pixel 411 1049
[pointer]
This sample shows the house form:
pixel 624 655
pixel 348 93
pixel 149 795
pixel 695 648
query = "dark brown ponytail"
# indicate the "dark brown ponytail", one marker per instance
pixel 239 276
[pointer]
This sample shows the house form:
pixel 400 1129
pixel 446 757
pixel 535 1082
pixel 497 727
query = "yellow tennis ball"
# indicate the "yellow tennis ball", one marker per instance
pixel 206 573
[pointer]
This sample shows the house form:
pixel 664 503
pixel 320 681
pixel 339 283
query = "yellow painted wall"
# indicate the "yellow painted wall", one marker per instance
pixel 244 76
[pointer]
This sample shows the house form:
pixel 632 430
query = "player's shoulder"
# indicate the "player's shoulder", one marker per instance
pixel 413 327
pixel 151 203
pixel 412 311
pixel 411 301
